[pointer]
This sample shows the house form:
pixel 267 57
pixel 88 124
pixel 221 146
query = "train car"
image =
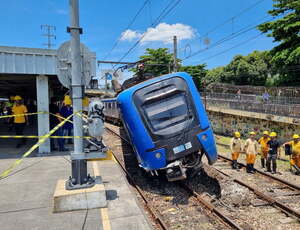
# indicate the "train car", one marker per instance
pixel 111 111
pixel 167 124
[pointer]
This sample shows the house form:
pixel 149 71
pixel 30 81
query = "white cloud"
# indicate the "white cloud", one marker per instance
pixel 163 32
pixel 129 35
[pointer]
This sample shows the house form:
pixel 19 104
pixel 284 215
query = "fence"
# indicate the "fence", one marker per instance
pixel 287 110
pixel 253 98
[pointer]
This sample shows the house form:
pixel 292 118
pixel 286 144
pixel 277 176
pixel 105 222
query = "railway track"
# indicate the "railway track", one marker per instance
pixel 266 187
pixel 189 207
pixel 216 210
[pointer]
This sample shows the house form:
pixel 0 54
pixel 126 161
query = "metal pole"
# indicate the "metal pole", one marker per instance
pixel 79 166
pixel 205 101
pixel 175 53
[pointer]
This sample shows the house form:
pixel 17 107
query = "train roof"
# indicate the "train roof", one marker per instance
pixel 109 99
pixel 132 89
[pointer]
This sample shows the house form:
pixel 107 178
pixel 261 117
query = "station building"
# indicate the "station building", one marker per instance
pixel 32 74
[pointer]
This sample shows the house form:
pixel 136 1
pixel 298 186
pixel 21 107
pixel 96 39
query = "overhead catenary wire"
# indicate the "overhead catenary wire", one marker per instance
pixel 230 20
pixel 128 26
pixel 233 47
pixel 228 38
pixel 225 39
pixel 162 15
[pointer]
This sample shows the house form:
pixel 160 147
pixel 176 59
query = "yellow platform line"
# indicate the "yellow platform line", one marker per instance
pixel 103 211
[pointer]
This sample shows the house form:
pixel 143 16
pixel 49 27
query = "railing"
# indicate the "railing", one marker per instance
pixel 253 98
pixel 287 110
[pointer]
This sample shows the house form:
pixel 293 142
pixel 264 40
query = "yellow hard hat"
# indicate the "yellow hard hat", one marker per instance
pixel 295 136
pixel 67 100
pixel 266 133
pixel 273 134
pixel 85 102
pixel 237 134
pixel 17 98
pixel 252 133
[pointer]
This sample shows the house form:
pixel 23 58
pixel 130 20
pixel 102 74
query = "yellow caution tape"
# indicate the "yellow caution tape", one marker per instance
pixel 60 117
pixel 29 114
pixel 41 141
pixel 31 136
pixel 24 114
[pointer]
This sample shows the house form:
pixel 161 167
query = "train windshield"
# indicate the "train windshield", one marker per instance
pixel 166 107
pixel 167 112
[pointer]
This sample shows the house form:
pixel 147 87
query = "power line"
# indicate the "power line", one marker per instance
pixel 228 38
pixel 162 15
pixel 233 47
pixel 129 25
pixel 232 18
pixel 222 40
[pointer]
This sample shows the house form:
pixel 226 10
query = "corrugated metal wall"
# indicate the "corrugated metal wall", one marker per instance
pixel 18 60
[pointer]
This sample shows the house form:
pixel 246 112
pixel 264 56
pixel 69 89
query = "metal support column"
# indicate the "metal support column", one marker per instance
pixel 175 54
pixel 42 92
pixel 79 178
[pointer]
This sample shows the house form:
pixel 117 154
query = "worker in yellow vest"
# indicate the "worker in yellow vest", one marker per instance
pixel 263 141
pixel 236 148
pixel 251 148
pixel 21 119
pixel 295 159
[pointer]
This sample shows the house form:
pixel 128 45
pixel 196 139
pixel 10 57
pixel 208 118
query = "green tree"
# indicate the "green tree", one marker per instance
pixel 253 69
pixel 159 56
pixel 198 72
pixel 285 31
pixel 215 75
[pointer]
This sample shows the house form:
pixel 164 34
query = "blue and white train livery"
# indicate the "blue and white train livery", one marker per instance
pixel 167 124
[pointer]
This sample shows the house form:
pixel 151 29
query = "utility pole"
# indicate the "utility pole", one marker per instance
pixel 79 178
pixel 175 53
pixel 48 34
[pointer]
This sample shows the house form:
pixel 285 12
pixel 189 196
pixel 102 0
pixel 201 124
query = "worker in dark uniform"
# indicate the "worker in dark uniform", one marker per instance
pixel 274 146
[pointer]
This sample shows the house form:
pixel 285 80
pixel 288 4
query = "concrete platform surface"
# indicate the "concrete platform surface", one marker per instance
pixel 26 198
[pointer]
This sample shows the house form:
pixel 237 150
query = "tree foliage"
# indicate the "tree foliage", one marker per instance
pixel 253 69
pixel 157 56
pixel 285 32
pixel 198 73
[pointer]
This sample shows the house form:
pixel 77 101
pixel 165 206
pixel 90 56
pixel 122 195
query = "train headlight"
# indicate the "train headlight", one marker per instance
pixel 157 155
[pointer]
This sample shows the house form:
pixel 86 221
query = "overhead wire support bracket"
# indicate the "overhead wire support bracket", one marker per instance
pixel 69 28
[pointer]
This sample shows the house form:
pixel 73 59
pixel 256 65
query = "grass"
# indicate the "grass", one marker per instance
pixel 282 165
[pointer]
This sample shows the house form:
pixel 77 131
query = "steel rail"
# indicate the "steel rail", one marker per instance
pixel 211 207
pixel 287 210
pixel 151 209
pixel 204 203
pixel 285 182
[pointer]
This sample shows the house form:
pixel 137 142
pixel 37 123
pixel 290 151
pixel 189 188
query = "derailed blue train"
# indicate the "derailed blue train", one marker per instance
pixel 167 124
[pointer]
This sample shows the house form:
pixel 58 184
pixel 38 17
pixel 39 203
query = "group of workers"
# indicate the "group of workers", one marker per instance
pixel 15 106
pixel 269 148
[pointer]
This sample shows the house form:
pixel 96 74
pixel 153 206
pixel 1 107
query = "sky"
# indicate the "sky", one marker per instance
pixel 198 24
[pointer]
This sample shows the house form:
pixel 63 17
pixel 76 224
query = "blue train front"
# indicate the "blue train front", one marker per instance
pixel 168 127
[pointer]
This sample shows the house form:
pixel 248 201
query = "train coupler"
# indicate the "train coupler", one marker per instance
pixel 175 172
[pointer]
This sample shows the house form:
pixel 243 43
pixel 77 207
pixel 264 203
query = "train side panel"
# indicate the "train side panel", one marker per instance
pixel 138 134
pixel 206 137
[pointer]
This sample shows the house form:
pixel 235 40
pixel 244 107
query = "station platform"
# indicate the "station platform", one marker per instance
pixel 26 197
